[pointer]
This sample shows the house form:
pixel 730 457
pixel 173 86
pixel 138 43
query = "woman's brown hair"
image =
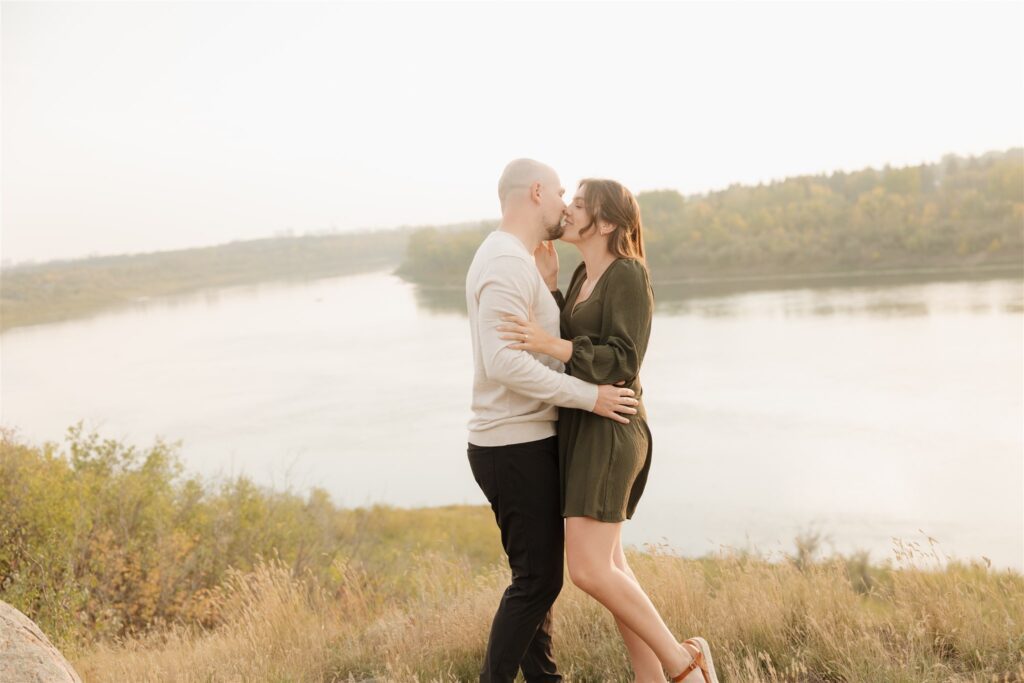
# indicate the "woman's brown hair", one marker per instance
pixel 609 201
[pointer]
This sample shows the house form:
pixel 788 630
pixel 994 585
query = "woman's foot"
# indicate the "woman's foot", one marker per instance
pixel 691 672
pixel 699 668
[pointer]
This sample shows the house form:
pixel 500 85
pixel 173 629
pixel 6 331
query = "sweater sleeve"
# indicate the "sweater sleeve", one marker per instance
pixel 626 313
pixel 506 288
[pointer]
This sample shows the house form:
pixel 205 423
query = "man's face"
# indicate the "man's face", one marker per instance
pixel 552 207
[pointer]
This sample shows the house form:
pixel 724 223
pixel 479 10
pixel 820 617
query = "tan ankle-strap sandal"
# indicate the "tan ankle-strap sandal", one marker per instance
pixel 701 658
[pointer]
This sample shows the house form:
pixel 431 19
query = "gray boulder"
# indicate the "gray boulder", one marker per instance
pixel 27 655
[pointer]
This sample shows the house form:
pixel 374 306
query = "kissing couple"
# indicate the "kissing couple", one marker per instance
pixel 558 428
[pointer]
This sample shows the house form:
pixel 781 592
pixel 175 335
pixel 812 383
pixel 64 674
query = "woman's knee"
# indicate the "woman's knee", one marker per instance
pixel 587 575
pixel 588 550
pixel 580 577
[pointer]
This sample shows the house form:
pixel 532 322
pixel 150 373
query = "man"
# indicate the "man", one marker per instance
pixel 513 447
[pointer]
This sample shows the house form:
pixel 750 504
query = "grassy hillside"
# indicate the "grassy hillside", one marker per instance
pixel 142 573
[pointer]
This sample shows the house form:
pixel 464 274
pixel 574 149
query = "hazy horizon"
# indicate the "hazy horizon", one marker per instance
pixel 327 231
pixel 145 127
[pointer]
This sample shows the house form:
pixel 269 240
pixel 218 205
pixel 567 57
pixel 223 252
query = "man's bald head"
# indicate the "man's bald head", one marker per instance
pixel 531 195
pixel 520 175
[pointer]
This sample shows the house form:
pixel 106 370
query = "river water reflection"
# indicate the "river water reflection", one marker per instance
pixel 861 412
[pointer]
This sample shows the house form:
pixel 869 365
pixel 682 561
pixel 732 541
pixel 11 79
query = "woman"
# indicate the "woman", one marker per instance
pixel 605 325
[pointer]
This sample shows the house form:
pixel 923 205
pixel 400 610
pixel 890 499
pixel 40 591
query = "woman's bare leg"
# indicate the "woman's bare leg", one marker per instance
pixel 589 547
pixel 646 665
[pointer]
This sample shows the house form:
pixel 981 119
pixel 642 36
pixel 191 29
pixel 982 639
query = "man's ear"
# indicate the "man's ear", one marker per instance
pixel 535 191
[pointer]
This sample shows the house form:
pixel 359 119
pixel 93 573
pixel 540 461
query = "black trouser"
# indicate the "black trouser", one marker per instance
pixel 521 482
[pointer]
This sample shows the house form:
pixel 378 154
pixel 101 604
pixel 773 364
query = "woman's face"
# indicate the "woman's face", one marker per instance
pixel 576 217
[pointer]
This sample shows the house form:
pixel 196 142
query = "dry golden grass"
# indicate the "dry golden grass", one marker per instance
pixel 139 575
pixel 833 620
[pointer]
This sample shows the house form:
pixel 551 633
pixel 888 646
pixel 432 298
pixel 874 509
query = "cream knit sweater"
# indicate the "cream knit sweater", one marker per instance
pixel 515 392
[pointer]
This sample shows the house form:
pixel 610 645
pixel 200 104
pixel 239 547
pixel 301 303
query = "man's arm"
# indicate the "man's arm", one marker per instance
pixel 505 288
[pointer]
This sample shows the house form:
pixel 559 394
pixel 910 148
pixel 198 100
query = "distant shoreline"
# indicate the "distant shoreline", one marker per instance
pixel 1013 269
pixel 961 218
pixel 66 290
pixel 43 311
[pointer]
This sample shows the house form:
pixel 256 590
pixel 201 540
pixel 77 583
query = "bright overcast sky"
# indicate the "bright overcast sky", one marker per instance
pixel 134 127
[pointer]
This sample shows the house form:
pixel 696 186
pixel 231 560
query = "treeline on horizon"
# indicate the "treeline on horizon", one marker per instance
pixel 959 212
pixel 965 213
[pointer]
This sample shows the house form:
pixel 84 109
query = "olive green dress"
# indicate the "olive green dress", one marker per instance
pixel 603 463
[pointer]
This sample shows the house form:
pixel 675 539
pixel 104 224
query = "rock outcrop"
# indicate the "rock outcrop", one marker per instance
pixel 27 655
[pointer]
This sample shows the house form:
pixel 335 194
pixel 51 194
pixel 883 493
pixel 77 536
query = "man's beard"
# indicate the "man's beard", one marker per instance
pixel 557 230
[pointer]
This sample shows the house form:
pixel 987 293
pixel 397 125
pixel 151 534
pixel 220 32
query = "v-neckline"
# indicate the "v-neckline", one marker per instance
pixel 576 303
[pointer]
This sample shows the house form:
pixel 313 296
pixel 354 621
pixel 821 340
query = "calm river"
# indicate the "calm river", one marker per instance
pixel 864 413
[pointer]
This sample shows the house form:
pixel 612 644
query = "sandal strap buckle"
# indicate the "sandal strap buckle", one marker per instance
pixel 697 660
